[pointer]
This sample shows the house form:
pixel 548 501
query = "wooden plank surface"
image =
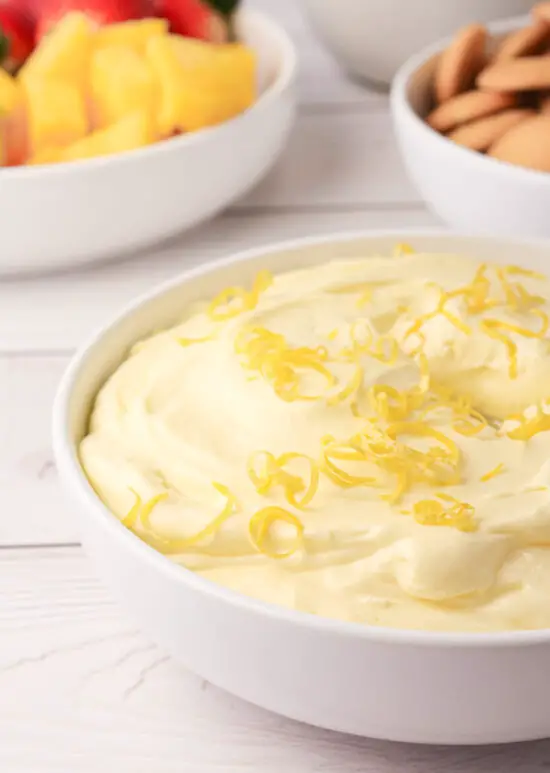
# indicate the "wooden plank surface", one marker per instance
pixel 80 690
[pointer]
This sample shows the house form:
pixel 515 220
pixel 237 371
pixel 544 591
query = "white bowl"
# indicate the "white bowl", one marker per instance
pixel 372 38
pixel 73 213
pixel 468 190
pixel 402 685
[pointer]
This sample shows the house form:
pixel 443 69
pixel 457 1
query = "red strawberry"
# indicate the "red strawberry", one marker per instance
pixel 204 19
pixel 16 36
pixel 30 7
pixel 100 11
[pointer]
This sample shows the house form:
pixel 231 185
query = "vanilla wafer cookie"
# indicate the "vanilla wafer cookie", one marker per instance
pixel 483 133
pixel 461 62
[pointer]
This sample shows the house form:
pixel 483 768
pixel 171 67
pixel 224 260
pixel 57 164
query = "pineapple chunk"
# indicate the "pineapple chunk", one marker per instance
pixel 201 84
pixel 238 70
pixel 10 93
pixel 14 131
pixel 64 53
pixel 13 121
pixel 121 82
pixel 46 156
pixel 232 70
pixel 131 132
pixel 133 34
pixel 56 113
pixel 164 64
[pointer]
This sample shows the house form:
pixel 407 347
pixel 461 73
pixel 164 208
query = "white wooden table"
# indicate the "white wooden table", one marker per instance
pixel 81 691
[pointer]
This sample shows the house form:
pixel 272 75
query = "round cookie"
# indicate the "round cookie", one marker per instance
pixel 481 134
pixel 524 42
pixel 527 144
pixel 468 107
pixel 543 103
pixel 527 73
pixel 460 63
pixel 541 12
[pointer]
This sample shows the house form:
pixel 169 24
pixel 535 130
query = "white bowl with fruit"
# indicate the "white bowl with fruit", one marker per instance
pixel 120 129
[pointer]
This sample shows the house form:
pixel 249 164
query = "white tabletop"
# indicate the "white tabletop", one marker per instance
pixel 81 691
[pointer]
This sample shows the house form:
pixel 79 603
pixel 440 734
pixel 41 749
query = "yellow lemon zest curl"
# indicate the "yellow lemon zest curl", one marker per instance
pixel 387 456
pixel 235 300
pixel 333 451
pixel 351 389
pixel 141 510
pixel 529 427
pixel 498 470
pixel 266 471
pixel 389 403
pixel 191 341
pixel 493 328
pixel 498 329
pixel 444 297
pixel 140 513
pixel 401 249
pixel 385 349
pixel 270 355
pixel 515 294
pixel 467 422
pixel 476 295
pixel 421 429
pixel 459 515
pixel 260 525
pixel 471 424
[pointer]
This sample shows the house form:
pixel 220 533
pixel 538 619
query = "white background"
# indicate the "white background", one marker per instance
pixel 81 691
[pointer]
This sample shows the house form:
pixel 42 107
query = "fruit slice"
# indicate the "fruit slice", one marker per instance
pixel 46 156
pixel 57 113
pixel 64 54
pixel 10 93
pixel 13 121
pixel 132 132
pixel 164 63
pixel 195 19
pixel 121 82
pixel 51 12
pixel 201 84
pixel 238 74
pixel 16 36
pixel 16 137
pixel 133 34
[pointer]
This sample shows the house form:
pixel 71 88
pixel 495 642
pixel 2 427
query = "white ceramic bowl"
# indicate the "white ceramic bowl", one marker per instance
pixel 372 38
pixel 79 212
pixel 401 685
pixel 468 190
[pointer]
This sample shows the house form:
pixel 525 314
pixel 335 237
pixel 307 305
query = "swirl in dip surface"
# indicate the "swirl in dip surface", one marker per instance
pixel 364 440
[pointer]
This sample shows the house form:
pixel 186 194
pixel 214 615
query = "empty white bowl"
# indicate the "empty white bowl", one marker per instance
pixel 372 38
pixel 66 214
pixel 442 688
pixel 468 190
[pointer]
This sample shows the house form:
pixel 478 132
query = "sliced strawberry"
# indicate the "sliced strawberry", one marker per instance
pixel 100 11
pixel 16 37
pixel 195 19
pixel 30 7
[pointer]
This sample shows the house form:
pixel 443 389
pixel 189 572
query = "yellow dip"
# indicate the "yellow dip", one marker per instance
pixel 364 440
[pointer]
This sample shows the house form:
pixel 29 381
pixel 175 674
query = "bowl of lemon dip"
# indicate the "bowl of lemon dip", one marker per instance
pixel 318 474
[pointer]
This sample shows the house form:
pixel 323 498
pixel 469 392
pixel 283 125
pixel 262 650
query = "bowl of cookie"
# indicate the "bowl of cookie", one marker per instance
pixel 472 119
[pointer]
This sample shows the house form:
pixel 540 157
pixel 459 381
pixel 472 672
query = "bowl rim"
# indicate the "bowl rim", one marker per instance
pixel 402 110
pixel 283 80
pixel 74 478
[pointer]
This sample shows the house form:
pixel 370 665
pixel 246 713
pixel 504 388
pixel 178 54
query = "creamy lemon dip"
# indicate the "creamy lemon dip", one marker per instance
pixel 363 440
